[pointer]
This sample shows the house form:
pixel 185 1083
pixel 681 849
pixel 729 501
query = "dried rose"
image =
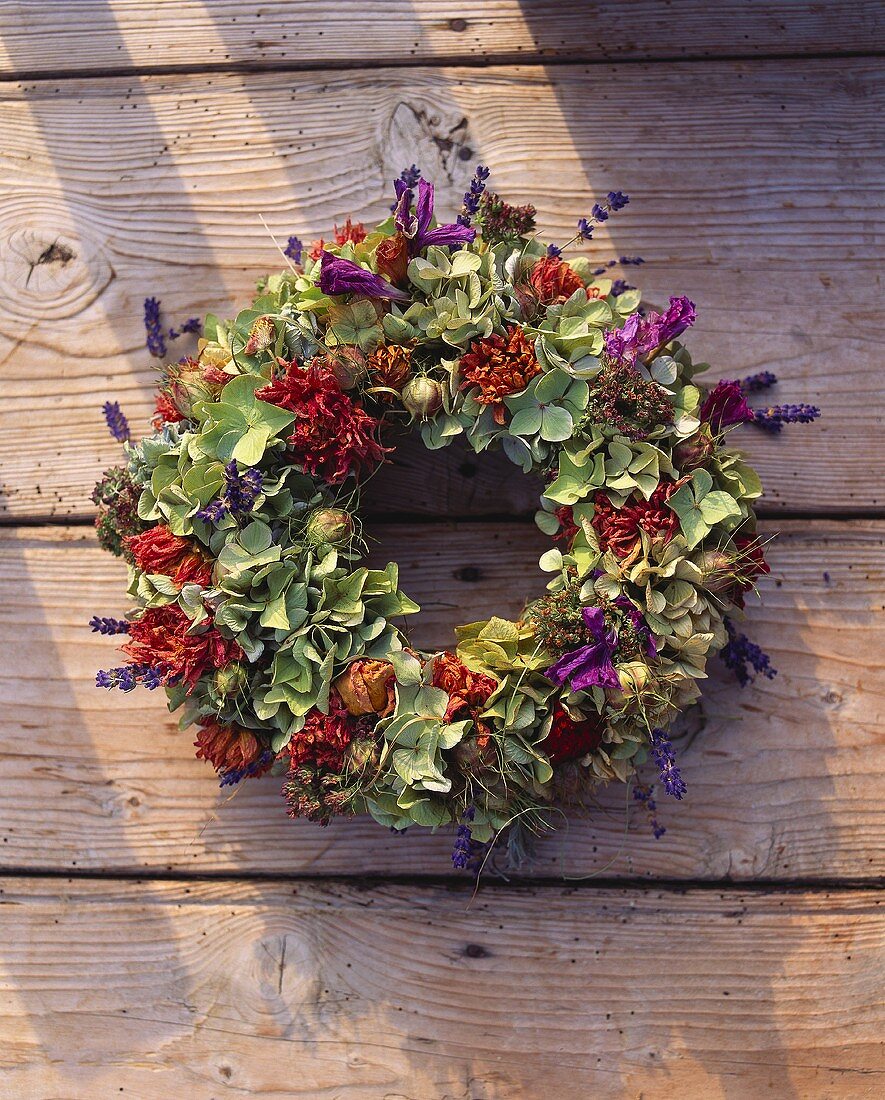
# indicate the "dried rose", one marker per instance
pixel 366 687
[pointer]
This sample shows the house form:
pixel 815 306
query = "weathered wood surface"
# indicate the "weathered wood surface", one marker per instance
pixel 755 190
pixel 107 36
pixel 272 990
pixel 784 783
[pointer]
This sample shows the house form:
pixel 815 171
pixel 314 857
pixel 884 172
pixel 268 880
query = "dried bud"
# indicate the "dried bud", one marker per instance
pixel 348 364
pixel 329 527
pixel 230 679
pixel 392 258
pixel 694 451
pixel 366 687
pixel 261 335
pixel 637 686
pixel 422 397
pixel 362 754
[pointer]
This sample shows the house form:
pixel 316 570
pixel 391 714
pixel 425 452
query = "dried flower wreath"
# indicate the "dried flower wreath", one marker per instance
pixel 238 520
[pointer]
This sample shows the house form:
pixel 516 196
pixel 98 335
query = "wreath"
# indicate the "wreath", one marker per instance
pixel 239 520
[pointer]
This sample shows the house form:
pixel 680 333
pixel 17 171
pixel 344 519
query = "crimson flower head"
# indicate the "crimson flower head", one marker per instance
pixel 160 639
pixel 726 406
pixel 567 739
pixel 340 276
pixel 157 550
pixel 332 436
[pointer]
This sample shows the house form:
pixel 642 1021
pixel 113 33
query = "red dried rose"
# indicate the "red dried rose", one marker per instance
pixel 157 550
pixel 499 368
pixel 160 639
pixel 467 691
pixel 618 528
pixel 553 280
pixel 228 747
pixel 324 738
pixel 567 739
pixel 392 258
pixel 332 436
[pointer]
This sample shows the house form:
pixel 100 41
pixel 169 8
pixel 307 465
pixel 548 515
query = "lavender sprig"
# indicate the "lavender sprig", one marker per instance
pixel 740 655
pixel 410 177
pixel 293 250
pixel 193 326
pixel 643 793
pixel 156 341
pixel 763 380
pixel 774 417
pixel 235 775
pixel 238 497
pixel 473 194
pixel 461 851
pixel 128 677
pixel 102 624
pixel 117 423
pixel 665 758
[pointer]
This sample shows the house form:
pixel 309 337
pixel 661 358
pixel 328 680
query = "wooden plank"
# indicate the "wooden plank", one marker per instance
pixel 108 36
pixel 268 990
pixel 116 189
pixel 784 783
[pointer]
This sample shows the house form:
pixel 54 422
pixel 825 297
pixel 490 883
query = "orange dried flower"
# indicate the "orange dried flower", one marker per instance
pixel 366 687
pixel 553 280
pixel 227 748
pixel 499 368
pixel 157 550
pixel 466 690
pixel 390 365
pixel 349 233
pixel 392 258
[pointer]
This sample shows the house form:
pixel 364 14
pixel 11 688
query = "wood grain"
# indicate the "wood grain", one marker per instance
pixel 784 783
pixel 274 990
pixel 107 36
pixel 763 204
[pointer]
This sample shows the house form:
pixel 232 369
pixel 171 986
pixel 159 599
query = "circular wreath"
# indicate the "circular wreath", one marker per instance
pixel 239 520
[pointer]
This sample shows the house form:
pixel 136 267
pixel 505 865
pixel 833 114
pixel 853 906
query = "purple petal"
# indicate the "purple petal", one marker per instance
pixel 447 235
pixel 424 206
pixel 340 276
pixel 402 211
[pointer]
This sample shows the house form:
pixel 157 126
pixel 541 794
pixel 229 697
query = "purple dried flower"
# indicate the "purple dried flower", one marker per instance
pixel 665 758
pixel 630 261
pixel 617 200
pixel 409 179
pixel 726 406
pixel 644 335
pixel 585 229
pixel 619 286
pixel 340 276
pixel 554 251
pixel 238 497
pixel 774 417
pixel 293 250
pixel 472 195
pixel 590 664
pixel 101 624
pixel 156 342
pixel 127 677
pixel 235 775
pixel 643 793
pixel 753 383
pixel 461 851
pixel 740 655
pixel 117 423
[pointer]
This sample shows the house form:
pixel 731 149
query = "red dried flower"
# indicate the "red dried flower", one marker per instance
pixel 553 280
pixel 499 368
pixel 228 747
pixel 157 550
pixel 749 565
pixel 466 690
pixel 567 526
pixel 324 738
pixel 618 528
pixel 347 234
pixel 567 740
pixel 160 639
pixel 392 258
pixel 332 436
pixel 166 411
